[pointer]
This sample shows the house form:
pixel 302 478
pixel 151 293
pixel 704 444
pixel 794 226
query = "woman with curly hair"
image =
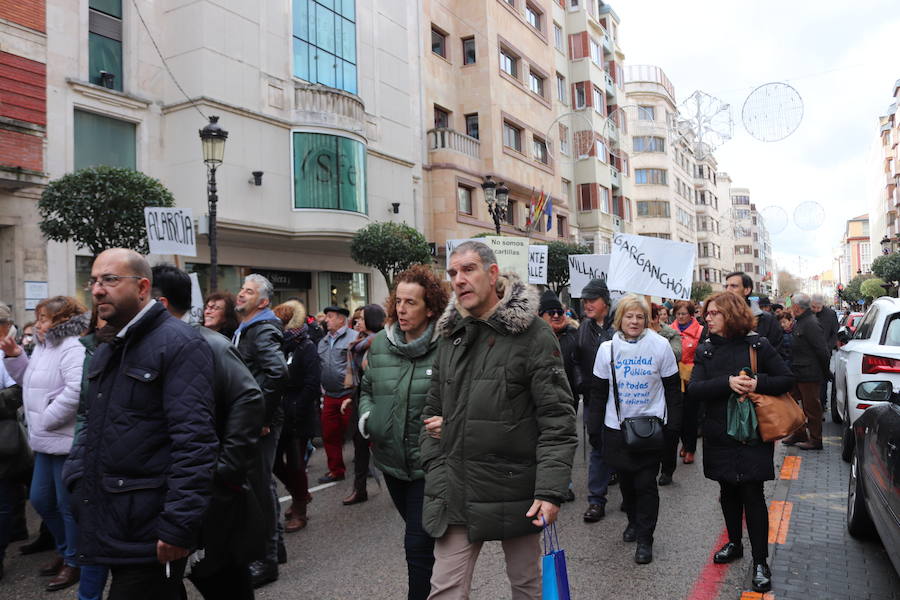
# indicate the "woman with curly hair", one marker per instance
pixel 392 395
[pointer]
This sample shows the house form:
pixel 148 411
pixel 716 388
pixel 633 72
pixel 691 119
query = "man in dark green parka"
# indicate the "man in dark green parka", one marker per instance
pixel 499 427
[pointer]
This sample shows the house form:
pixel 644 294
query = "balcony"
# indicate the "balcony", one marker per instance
pixel 607 43
pixel 322 105
pixel 610 83
pixel 443 138
pixel 615 177
pixel 890 181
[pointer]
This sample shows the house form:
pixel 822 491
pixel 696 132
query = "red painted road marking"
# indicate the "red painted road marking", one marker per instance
pixel 779 521
pixel 790 468
pixel 711 577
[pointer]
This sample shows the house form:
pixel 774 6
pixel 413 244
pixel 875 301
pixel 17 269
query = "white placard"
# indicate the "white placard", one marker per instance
pixel 583 268
pixel 196 300
pixel 537 264
pixel 170 230
pixel 36 290
pixel 652 266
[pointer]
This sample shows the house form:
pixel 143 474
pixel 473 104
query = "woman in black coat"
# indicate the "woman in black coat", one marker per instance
pixel 740 468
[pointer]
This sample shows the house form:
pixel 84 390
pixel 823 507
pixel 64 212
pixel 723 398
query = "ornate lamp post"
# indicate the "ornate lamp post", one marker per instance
pixel 496 196
pixel 886 245
pixel 212 138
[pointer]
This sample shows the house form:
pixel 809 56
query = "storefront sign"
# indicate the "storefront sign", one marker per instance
pixel 286 280
pixel 646 265
pixel 329 172
pixel 170 230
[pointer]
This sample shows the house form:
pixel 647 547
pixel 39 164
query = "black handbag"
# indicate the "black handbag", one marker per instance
pixel 639 434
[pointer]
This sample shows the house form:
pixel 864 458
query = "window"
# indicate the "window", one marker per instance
pixel 533 16
pixel 512 136
pixel 740 199
pixel 656 176
pixel 563 139
pixel 510 217
pixel 509 63
pixel 540 151
pixel 649 144
pixel 561 226
pixel 441 118
pixel 598 99
pixel 103 141
pixel 596 52
pixel 464 199
pixel 439 42
pixel 325 43
pixel 561 88
pixel 653 208
pixel 105 43
pixel 580 96
pixel 558 37
pixel 472 125
pixel 684 218
pixel 329 172
pixel 586 200
pixel 646 113
pixel 511 3
pixel 600 150
pixel 468 47
pixel 536 83
pixel 604 200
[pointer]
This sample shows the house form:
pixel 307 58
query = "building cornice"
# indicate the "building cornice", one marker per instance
pixel 108 96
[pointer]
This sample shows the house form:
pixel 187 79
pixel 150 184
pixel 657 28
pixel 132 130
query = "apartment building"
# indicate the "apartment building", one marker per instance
pixel 889 171
pixel 752 242
pixel 320 97
pixel 855 249
pixel 23 121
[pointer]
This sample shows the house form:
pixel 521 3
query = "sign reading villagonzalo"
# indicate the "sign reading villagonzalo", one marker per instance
pixel 170 230
pixel 646 265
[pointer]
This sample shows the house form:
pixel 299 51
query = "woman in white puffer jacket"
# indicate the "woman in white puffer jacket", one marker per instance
pixel 51 383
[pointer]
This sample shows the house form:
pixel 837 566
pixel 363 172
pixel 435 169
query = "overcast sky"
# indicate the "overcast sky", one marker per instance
pixel 843 59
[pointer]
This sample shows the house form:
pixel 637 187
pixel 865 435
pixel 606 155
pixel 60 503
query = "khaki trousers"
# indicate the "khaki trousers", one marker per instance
pixel 807 392
pixel 454 564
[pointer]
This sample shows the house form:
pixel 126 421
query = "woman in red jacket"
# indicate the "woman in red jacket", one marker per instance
pixel 691 330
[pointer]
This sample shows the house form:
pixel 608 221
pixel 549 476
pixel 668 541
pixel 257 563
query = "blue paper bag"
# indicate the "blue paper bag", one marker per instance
pixel 555 578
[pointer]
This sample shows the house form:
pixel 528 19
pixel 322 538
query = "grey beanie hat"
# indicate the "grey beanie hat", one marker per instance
pixel 596 288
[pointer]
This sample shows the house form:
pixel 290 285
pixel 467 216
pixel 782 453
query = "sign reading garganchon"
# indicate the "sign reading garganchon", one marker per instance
pixel 652 266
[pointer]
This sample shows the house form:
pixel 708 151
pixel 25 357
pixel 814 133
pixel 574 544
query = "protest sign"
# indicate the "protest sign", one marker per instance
pixel 170 230
pixel 583 268
pixel 512 254
pixel 196 300
pixel 652 266
pixel 537 264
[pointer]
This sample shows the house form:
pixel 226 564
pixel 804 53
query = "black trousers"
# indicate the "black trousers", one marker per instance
pixel 641 498
pixel 690 422
pixel 232 582
pixel 670 452
pixel 746 499
pixel 408 497
pixel 147 581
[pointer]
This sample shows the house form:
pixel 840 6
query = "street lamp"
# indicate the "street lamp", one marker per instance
pixel 886 245
pixel 496 196
pixel 212 138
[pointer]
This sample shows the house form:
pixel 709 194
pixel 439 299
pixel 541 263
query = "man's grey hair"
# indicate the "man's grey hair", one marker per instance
pixel 817 299
pixel 483 251
pixel 263 285
pixel 801 300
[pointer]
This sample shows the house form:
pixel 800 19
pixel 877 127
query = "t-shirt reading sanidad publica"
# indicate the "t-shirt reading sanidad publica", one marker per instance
pixel 640 368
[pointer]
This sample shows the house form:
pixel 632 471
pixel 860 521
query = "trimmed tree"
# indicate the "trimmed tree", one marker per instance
pixel 887 267
pixel 390 248
pixel 558 263
pixel 700 291
pixel 100 208
pixel 872 288
pixel 852 293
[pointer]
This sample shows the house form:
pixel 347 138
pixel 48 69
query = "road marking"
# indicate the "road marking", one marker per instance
pixel 779 521
pixel 790 468
pixel 711 577
pixel 757 596
pixel 311 490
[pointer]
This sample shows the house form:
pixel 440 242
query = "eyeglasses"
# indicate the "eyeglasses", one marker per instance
pixel 108 281
pixel 713 313
pixel 554 312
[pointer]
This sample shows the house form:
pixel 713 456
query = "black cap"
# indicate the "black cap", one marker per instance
pixel 337 309
pixel 549 301
pixel 764 301
pixel 596 288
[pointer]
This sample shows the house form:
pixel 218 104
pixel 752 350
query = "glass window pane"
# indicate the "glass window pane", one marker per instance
pixel 301 59
pixel 349 10
pixel 328 3
pixel 325 29
pixel 103 141
pixel 329 172
pixel 349 78
pixel 110 7
pixel 325 68
pixel 105 54
pixel 348 41
pixel 301 19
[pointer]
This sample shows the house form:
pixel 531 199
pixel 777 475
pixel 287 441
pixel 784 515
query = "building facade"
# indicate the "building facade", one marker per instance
pixel 889 172
pixel 856 249
pixel 752 242
pixel 23 129
pixel 321 97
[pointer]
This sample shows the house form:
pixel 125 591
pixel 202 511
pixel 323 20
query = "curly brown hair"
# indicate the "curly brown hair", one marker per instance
pixel 687 305
pixel 436 295
pixel 739 320
pixel 60 309
pixel 231 320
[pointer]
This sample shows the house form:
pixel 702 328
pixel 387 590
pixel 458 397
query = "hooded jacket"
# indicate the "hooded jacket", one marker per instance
pixel 508 435
pixel 51 385
pixel 303 389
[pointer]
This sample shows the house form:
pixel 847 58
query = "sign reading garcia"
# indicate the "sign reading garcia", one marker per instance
pixel 329 172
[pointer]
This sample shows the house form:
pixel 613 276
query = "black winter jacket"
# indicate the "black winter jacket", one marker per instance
pixel 302 391
pixel 16 466
pixel 568 346
pixel 809 353
pixel 589 337
pixel 260 347
pixel 724 458
pixel 769 328
pixel 142 468
pixel 828 321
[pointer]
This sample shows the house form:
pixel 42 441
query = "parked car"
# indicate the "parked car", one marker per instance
pixel 871 354
pixel 850 321
pixel 873 496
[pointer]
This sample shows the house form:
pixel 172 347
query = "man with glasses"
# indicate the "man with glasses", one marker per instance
pixel 141 470
pixel 551 310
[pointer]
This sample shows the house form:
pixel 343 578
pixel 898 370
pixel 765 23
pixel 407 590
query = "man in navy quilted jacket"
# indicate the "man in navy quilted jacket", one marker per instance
pixel 141 471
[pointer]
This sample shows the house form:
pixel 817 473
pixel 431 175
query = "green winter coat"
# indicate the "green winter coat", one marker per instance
pixel 392 394
pixel 508 435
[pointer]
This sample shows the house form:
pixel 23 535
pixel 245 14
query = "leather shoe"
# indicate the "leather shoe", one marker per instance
pixel 330 478
pixel 630 533
pixel 793 439
pixel 762 578
pixel 42 543
pixel 644 553
pixel 293 524
pixel 665 479
pixel 52 568
pixel 262 573
pixel 688 458
pixel 356 497
pixel 594 513
pixel 809 446
pixel 66 577
pixel 728 553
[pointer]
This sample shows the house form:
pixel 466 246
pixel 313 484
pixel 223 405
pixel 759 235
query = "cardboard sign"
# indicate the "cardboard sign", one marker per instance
pixel 513 254
pixel 583 268
pixel 652 266
pixel 170 230
pixel 537 264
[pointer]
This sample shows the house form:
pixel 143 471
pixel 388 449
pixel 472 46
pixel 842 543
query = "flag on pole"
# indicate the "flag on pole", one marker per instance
pixel 530 216
pixel 539 208
pixel 549 213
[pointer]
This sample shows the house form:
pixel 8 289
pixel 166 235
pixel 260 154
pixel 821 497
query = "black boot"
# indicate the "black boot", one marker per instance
pixel 728 553
pixel 762 577
pixel 43 542
pixel 643 555
pixel 262 573
pixel 630 533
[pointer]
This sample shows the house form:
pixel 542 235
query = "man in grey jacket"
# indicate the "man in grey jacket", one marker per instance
pixel 828 321
pixel 333 358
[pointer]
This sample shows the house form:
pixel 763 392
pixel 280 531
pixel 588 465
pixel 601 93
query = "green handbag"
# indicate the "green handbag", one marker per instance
pixel 741 423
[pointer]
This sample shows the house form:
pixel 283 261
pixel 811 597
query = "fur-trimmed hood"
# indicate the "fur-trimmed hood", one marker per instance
pixel 517 308
pixel 74 327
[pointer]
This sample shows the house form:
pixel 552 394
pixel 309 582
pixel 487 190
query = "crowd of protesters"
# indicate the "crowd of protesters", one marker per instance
pixel 150 447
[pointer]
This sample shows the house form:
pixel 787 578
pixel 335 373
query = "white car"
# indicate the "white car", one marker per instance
pixel 871 354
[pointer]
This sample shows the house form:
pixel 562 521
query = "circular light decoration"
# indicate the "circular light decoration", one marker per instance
pixel 809 215
pixel 704 122
pixel 775 219
pixel 772 112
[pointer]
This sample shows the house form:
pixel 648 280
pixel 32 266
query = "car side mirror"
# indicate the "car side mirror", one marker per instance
pixel 875 391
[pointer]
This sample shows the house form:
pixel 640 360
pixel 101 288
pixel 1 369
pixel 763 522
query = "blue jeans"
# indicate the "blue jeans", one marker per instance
pixel 50 499
pixel 598 473
pixel 93 580
pixel 9 495
pixel 408 497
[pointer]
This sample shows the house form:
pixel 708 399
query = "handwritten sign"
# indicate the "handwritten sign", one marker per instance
pixel 583 268
pixel 196 300
pixel 170 230
pixel 537 264
pixel 646 265
pixel 513 254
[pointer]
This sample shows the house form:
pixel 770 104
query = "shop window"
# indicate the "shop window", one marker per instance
pixel 324 36
pixel 349 290
pixel 329 172
pixel 100 140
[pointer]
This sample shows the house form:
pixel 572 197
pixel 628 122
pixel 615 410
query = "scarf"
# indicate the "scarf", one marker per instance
pixel 414 349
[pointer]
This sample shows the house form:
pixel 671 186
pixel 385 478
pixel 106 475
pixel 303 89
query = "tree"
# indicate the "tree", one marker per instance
pixel 872 288
pixel 100 208
pixel 558 263
pixel 700 290
pixel 787 283
pixel 887 267
pixel 852 293
pixel 390 248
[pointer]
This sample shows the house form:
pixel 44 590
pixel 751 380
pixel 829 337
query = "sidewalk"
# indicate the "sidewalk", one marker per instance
pixel 811 554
